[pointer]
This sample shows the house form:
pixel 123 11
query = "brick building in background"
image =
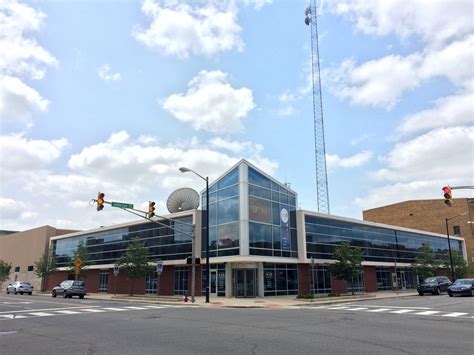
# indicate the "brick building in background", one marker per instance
pixel 430 215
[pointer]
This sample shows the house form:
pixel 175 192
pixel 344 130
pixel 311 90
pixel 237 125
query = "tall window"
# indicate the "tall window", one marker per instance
pixel 151 284
pixel 180 279
pixel 280 279
pixel 384 278
pixel 103 280
pixel 457 230
pixel 320 279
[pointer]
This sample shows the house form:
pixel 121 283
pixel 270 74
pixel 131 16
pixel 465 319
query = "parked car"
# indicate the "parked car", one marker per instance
pixel 20 287
pixel 434 285
pixel 70 288
pixel 461 287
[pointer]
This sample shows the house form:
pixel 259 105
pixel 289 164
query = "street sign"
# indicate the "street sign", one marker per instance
pixel 122 205
pixel 77 262
pixel 116 270
pixel 159 267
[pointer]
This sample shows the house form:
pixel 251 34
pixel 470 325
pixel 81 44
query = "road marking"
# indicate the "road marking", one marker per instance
pixel 357 309
pixel 115 309
pixel 16 302
pixel 41 314
pixel 402 311
pixel 377 306
pixel 92 310
pixel 379 310
pixel 45 309
pixel 338 308
pixel 155 307
pixel 133 307
pixel 427 313
pixel 455 314
pixel 68 312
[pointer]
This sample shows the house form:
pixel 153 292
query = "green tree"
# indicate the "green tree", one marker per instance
pixel 5 269
pixel 348 262
pixel 45 266
pixel 81 254
pixel 460 265
pixel 425 264
pixel 134 262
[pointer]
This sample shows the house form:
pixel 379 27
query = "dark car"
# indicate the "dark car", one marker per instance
pixel 434 285
pixel 461 287
pixel 70 288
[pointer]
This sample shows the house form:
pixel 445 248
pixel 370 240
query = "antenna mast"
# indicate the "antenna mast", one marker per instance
pixel 319 144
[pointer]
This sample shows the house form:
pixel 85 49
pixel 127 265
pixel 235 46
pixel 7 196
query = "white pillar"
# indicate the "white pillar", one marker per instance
pixel 228 280
pixel 260 280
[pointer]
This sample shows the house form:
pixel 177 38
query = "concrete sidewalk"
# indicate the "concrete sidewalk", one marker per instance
pixel 267 302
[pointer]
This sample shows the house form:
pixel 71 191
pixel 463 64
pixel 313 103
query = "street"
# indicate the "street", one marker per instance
pixel 410 325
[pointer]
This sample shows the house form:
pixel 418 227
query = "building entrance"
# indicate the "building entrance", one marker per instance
pixel 245 282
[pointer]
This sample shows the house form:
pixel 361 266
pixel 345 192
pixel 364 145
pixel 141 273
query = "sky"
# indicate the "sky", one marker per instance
pixel 115 96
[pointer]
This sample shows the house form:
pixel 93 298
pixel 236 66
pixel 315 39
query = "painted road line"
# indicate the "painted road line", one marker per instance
pixel 357 309
pixel 41 314
pixel 68 312
pixel 379 310
pixel 91 310
pixel 133 307
pixel 114 309
pixel 401 311
pixel 455 314
pixel 395 307
pixel 338 307
pixel 7 316
pixel 46 309
pixel 154 307
pixel 427 313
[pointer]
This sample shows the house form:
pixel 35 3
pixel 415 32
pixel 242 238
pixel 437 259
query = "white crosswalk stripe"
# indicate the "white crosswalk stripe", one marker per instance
pixel 41 314
pixel 427 313
pixel 379 310
pixel 357 309
pixel 338 308
pixel 92 310
pixel 455 314
pixel 402 311
pixel 133 307
pixel 114 309
pixel 68 312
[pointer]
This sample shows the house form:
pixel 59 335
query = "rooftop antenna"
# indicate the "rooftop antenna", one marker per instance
pixel 311 19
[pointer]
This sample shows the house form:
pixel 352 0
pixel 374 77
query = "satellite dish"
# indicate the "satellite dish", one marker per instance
pixel 307 10
pixel 183 199
pixel 307 20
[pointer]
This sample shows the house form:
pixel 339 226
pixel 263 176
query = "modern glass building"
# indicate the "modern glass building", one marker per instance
pixel 260 245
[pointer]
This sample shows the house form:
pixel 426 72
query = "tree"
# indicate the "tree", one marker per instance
pixel 425 263
pixel 134 261
pixel 460 266
pixel 348 262
pixel 45 266
pixel 5 269
pixel 81 254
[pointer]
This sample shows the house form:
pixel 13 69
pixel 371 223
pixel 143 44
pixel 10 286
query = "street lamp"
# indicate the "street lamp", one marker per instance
pixel 206 179
pixel 449 242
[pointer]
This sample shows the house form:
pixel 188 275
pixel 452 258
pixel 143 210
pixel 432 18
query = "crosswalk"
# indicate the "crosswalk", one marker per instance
pixel 78 311
pixel 391 310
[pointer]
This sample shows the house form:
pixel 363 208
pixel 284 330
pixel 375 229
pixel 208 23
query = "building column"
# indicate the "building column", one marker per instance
pixel 228 279
pixel 304 279
pixel 370 279
pixel 260 280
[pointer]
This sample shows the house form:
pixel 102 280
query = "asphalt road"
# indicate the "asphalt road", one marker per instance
pixel 406 325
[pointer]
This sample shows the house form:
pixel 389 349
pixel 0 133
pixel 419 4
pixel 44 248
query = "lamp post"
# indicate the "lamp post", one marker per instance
pixel 206 179
pixel 449 243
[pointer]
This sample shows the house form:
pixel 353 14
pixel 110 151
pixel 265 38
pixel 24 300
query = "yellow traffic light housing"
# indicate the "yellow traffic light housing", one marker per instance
pixel 100 201
pixel 448 195
pixel 151 209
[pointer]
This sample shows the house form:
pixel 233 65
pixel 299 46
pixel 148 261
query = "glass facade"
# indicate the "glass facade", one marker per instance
pixel 103 280
pixel 181 279
pixel 320 279
pixel 384 278
pixel 106 247
pixel 272 218
pixel 151 283
pixel 224 216
pixel 280 279
pixel 379 244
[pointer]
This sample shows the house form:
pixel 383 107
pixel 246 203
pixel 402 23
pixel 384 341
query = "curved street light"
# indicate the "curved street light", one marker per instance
pixel 206 179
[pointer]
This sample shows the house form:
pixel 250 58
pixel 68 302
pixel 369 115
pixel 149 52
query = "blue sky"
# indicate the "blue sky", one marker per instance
pixel 116 96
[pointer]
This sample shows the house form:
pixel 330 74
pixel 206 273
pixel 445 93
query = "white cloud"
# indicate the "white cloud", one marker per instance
pixel 21 57
pixel 455 110
pixel 23 154
pixel 334 161
pixel 106 75
pixel 233 146
pixel 12 210
pixel 257 4
pixel 211 103
pixel 287 100
pixel 361 138
pixel 435 22
pixel 18 100
pixel 181 30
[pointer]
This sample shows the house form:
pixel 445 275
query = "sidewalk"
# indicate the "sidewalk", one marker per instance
pixel 267 302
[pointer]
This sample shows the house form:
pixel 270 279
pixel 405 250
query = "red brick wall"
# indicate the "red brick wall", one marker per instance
pixel 338 286
pixel 55 279
pixel 370 279
pixel 91 279
pixel 167 281
pixel 304 283
pixel 197 288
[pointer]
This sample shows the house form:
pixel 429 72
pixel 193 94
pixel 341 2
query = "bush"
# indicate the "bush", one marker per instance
pixel 308 296
pixel 335 294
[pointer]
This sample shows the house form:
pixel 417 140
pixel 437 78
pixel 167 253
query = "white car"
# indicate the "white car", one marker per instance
pixel 20 287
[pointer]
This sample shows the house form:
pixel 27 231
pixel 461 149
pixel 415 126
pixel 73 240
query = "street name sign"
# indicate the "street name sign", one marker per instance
pixel 122 205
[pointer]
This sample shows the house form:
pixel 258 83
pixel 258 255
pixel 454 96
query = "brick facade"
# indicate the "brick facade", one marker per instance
pixel 429 215
pixel 370 279
pixel 304 284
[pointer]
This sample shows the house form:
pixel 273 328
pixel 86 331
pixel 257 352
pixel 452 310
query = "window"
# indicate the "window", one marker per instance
pixel 180 280
pixel 280 279
pixel 457 230
pixel 17 269
pixel 320 279
pixel 30 268
pixel 103 280
pixel 384 278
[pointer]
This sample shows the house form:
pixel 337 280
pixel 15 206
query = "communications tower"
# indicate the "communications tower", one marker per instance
pixel 311 19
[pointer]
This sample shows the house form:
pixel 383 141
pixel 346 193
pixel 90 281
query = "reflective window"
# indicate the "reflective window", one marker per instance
pixel 181 279
pixel 320 279
pixel 280 279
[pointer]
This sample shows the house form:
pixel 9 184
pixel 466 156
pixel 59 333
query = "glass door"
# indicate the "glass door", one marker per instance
pixel 402 280
pixel 213 284
pixel 245 282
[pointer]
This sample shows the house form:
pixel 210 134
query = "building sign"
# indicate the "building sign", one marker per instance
pixel 221 281
pixel 285 230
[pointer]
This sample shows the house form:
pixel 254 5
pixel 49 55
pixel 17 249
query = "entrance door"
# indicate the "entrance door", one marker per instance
pixel 245 282
pixel 402 280
pixel 213 283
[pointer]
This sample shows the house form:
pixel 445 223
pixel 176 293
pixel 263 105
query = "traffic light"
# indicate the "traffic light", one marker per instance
pixel 447 195
pixel 151 209
pixel 100 201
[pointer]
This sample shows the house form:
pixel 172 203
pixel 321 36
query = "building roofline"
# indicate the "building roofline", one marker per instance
pixel 420 200
pixel 380 225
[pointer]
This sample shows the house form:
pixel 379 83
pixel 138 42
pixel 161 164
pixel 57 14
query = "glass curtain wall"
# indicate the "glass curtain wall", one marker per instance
pixel 384 278
pixel 151 283
pixel 320 279
pixel 357 283
pixel 181 279
pixel 280 279
pixel 103 280
pixel 171 242
pixel 272 218
pixel 223 216
pixel 378 244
